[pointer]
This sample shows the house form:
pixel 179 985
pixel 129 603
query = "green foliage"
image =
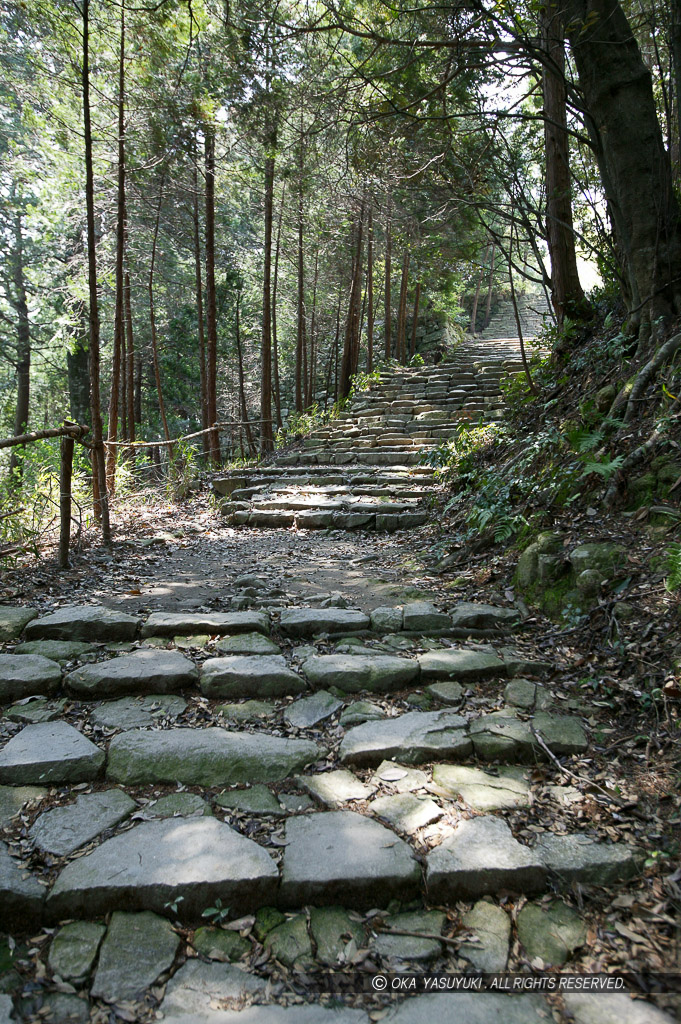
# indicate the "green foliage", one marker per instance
pixel 585 440
pixel 673 567
pixel 182 469
pixel 363 382
pixel 417 360
pixel 217 914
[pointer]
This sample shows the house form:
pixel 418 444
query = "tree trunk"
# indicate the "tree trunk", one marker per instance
pixel 119 327
pixel 476 298
pixel 205 438
pixel 414 324
pixel 309 397
pixel 242 390
pixel 101 504
pixel 130 347
pixel 490 285
pixel 370 293
pixel 333 350
pixel 300 308
pixel 635 168
pixel 266 433
pixel 23 363
pixel 152 317
pixel 388 268
pixel 400 344
pixel 275 340
pixel 138 389
pixel 211 307
pixel 352 323
pixel 567 296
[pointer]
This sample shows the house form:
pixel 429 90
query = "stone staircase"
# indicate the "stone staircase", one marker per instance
pixel 365 469
pixel 532 307
pixel 267 777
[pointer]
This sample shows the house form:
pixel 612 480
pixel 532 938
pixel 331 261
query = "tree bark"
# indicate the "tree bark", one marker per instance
pixel 23 363
pixel 101 504
pixel 130 370
pixel 388 269
pixel 119 327
pixel 568 299
pixel 400 342
pixel 352 323
pixel 152 316
pixel 275 340
pixel 370 293
pixel 300 307
pixel 635 168
pixel 476 298
pixel 266 433
pixel 310 393
pixel 205 438
pixel 242 390
pixel 414 324
pixel 211 306
pixel 490 285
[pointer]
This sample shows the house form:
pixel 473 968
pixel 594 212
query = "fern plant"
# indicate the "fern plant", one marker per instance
pixel 673 567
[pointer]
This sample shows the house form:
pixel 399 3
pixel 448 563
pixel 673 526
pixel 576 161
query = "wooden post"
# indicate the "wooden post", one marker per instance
pixel 65 475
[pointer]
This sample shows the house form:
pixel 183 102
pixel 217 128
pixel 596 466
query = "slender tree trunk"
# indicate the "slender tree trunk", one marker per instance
pixel 275 341
pixel 119 326
pixel 634 165
pixel 211 306
pixel 370 293
pixel 130 346
pixel 333 349
pixel 476 299
pixel 388 270
pixel 138 389
pixel 351 343
pixel 101 503
pixel 400 344
pixel 414 324
pixel 205 438
pixel 300 311
pixel 675 40
pixel 309 398
pixel 123 396
pixel 266 433
pixel 566 291
pixel 23 331
pixel 152 316
pixel 490 285
pixel 242 391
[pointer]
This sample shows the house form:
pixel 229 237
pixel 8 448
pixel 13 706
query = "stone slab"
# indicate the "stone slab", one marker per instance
pixel 379 673
pixel 473 1008
pixel 247 643
pixel 141 672
pixel 551 932
pixel 306 1013
pixel 186 805
pixel 190 623
pixel 484 791
pixel 474 615
pixel 399 778
pixel 197 988
pixel 153 864
pixel 39 710
pixel 310 711
pixel 74 949
pixel 405 811
pixel 62 830
pixel 247 711
pixel 61 651
pixel 256 800
pixel 25 675
pixel 343 857
pixel 220 944
pixel 409 947
pixel 413 738
pixel 502 736
pixel 335 788
pixel 50 752
pixel 360 711
pixel 465 666
pixel 14 798
pixel 579 858
pixel 87 623
pixel 309 622
pixel 492 927
pixel 448 691
pixel 137 712
pixel 13 619
pixel 255 676
pixel 422 616
pixel 612 1008
pixel 136 950
pixel 480 857
pixel 205 757
pixel 386 620
pixel 21 898
pixel 523 693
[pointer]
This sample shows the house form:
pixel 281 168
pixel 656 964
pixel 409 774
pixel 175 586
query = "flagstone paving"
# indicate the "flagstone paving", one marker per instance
pixel 202 807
